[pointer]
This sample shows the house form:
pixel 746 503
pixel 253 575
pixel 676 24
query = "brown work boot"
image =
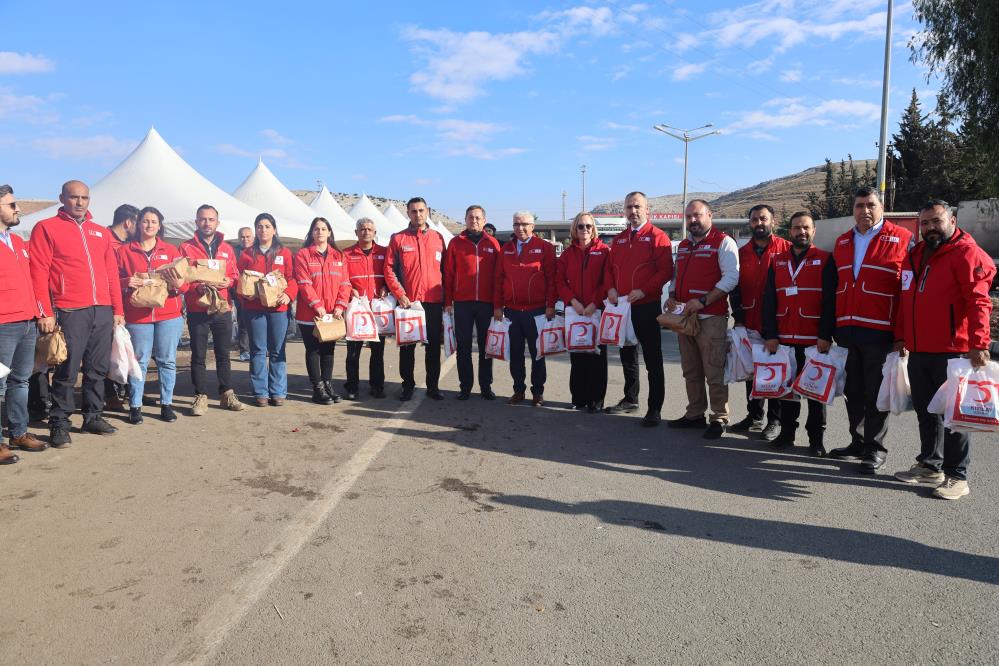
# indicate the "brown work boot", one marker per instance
pixel 516 398
pixel 7 457
pixel 200 405
pixel 28 442
pixel 231 402
pixel 537 400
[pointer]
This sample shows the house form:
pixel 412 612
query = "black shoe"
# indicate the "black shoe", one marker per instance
pixel 38 415
pixel 334 396
pixel 771 431
pixel 377 393
pixel 167 413
pixel 595 408
pixel 464 395
pixel 135 415
pixel 59 437
pixel 319 395
pixel 350 395
pixel 487 394
pixel 782 442
pixel 406 394
pixel 872 462
pixel 684 422
pixel 651 420
pixel 435 394
pixel 625 406
pixel 715 430
pixel 747 424
pixel 816 450
pixel 98 426
pixel 852 452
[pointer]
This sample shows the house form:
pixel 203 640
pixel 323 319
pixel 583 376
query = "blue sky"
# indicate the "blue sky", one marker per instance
pixel 497 104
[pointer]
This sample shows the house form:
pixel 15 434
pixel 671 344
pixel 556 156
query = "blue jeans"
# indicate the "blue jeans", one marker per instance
pixel 159 341
pixel 17 352
pixel 268 365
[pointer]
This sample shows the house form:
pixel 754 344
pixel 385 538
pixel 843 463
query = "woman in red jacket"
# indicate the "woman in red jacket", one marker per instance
pixel 582 278
pixel 323 288
pixel 155 332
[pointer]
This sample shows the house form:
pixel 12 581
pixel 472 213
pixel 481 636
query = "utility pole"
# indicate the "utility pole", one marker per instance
pixel 564 194
pixel 582 170
pixel 686 137
pixel 883 144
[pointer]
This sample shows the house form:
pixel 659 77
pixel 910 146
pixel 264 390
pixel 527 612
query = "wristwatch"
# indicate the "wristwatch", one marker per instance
pixel 703 300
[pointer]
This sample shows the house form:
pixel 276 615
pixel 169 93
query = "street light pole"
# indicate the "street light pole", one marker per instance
pixel 564 193
pixel 883 143
pixel 686 136
pixel 582 170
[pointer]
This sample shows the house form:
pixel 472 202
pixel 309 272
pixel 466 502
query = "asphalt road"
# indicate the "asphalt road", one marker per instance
pixel 476 532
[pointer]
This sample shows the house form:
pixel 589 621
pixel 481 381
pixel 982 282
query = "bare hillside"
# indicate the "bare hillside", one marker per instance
pixel 668 203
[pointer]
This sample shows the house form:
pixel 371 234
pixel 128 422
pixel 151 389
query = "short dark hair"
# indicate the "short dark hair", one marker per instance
pixel 766 207
pixel 933 203
pixel 126 212
pixel 489 226
pixel 206 207
pixel 636 192
pixel 800 213
pixel 867 192
pixel 702 202
pixel 6 189
pixel 136 234
pixel 416 200
pixel 308 237
pixel 474 207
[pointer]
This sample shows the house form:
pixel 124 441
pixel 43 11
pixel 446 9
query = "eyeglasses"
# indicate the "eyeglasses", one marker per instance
pixel 584 226
pixel 13 205
pixel 523 224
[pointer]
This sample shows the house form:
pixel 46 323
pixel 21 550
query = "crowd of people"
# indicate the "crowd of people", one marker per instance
pixel 873 294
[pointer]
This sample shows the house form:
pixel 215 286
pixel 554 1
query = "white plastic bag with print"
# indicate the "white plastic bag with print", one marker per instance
pixel 410 324
pixel 823 377
pixel 581 332
pixel 360 321
pixel 498 339
pixel 615 325
pixel 384 310
pixel 773 374
pixel 895 395
pixel 551 336
pixel 739 359
pixel 450 341
pixel 969 399
pixel 123 361
pixel 4 371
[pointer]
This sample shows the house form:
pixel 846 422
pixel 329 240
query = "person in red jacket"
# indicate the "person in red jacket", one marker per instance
pixel 525 289
pixel 74 273
pixel 208 243
pixel 414 272
pixel 641 264
pixel 17 330
pixel 468 296
pixel 582 277
pixel 366 271
pixel 755 259
pixel 869 266
pixel 268 325
pixel 120 232
pixel 155 331
pixel 323 288
pixel 944 314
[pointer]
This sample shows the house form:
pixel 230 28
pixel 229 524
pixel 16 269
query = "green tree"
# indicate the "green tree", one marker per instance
pixel 909 148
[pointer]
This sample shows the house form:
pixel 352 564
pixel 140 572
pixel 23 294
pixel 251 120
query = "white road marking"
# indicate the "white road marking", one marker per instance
pixel 204 639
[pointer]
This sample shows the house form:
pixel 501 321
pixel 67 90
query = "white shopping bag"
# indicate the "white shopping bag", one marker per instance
pixel 581 332
pixel 773 374
pixel 450 341
pixel 123 361
pixel 969 399
pixel 823 376
pixel 4 371
pixel 615 324
pixel 410 324
pixel 739 359
pixel 384 309
pixel 360 321
pixel 551 336
pixel 498 340
pixel 894 395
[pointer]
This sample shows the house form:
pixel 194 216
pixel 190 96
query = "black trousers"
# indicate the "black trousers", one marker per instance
pixel 432 350
pixel 524 329
pixel 649 334
pixel 754 407
pixel 939 447
pixel 199 325
pixel 376 365
pixel 242 328
pixel 469 314
pixel 318 355
pixel 38 392
pixel 588 378
pixel 88 334
pixel 863 380
pixel 815 425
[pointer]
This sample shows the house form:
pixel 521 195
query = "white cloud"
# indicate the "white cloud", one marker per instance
pixel 29 109
pixel 96 118
pixel 618 126
pixel 688 71
pixel 791 76
pixel 594 143
pixel 858 83
pixel 762 136
pixel 424 181
pixel 597 21
pixel 275 137
pixel 460 138
pixel 230 149
pixel 793 112
pixel 84 148
pixel 24 63
pixel 620 72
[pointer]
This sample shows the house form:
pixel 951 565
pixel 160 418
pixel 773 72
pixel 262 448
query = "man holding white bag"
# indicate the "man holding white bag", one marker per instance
pixel 366 271
pixel 799 310
pixel 944 314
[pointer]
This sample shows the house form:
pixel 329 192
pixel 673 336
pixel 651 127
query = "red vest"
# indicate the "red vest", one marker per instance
pixel 799 296
pixel 698 271
pixel 753 272
pixel 871 299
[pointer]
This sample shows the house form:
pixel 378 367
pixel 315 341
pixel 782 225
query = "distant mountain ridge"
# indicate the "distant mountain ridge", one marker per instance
pixel 347 201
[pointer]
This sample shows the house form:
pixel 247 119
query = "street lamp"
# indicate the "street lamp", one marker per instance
pixel 883 144
pixel 686 137
pixel 582 170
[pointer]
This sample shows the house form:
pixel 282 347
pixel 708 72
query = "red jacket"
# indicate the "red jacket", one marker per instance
pixel 525 282
pixel 799 296
pixel 945 304
pixel 698 271
pixel 413 265
pixel 321 281
pixel 366 271
pixel 17 297
pixel 73 265
pixel 194 249
pixel 251 260
pixel 753 278
pixel 643 261
pixel 115 242
pixel 871 299
pixel 469 269
pixel 131 260
pixel 584 273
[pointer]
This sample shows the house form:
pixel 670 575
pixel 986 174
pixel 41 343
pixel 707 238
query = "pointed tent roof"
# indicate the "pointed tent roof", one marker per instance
pixel 263 190
pixel 155 175
pixel 364 208
pixel 324 205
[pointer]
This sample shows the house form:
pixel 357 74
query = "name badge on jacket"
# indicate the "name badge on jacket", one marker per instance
pixel 906 280
pixel 279 260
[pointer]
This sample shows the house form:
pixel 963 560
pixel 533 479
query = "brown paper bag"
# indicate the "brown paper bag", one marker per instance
pixel 51 349
pixel 152 294
pixel 246 286
pixel 328 329
pixel 181 265
pixel 213 300
pixel 270 287
pixel 207 270
pixel 686 323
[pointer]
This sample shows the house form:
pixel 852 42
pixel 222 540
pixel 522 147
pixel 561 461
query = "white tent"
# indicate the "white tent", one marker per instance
pixel 324 205
pixel 364 208
pixel 155 175
pixel 264 191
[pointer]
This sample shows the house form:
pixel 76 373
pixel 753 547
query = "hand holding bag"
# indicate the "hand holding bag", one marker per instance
pixel 895 394
pixel 498 339
pixel 679 321
pixel 410 324
pixel 329 329
pixel 773 374
pixel 615 324
pixel 51 349
pixel 151 294
pixel 551 336
pixel 361 325
pixel 823 377
pixel 581 332
pixel 246 286
pixel 270 288
pixel 384 309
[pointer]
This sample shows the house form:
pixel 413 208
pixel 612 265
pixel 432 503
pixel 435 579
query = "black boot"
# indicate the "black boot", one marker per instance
pixel 319 395
pixel 333 395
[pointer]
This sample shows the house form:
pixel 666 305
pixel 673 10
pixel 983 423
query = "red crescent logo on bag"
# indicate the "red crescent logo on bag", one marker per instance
pixel 610 327
pixel 408 326
pixel 985 393
pixel 818 373
pixel 383 319
pixel 551 338
pixel 773 374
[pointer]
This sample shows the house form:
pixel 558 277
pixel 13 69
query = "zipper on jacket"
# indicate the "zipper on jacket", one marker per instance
pixel 149 271
pixel 90 264
pixel 478 267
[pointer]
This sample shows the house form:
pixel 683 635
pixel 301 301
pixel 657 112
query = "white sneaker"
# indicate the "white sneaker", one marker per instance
pixel 200 406
pixel 952 489
pixel 920 473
